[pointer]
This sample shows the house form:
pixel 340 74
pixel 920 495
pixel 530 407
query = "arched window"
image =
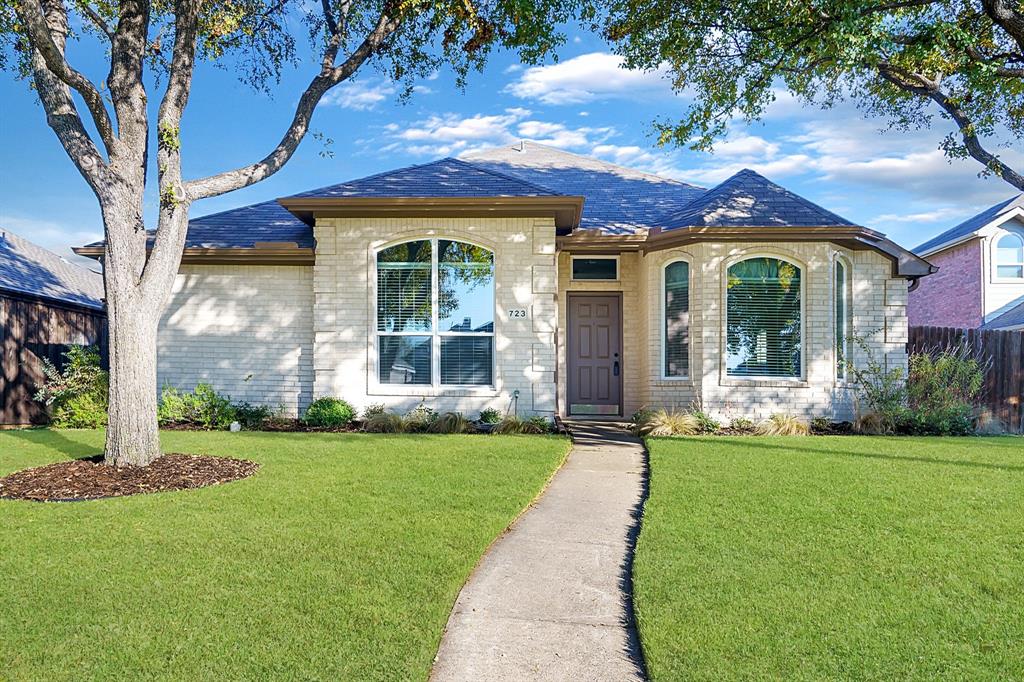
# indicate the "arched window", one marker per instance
pixel 677 320
pixel 763 319
pixel 842 311
pixel 435 314
pixel 1010 257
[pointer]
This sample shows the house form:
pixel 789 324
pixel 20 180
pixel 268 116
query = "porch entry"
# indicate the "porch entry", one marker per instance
pixel 594 353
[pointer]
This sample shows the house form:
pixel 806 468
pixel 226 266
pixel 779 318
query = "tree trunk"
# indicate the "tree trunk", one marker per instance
pixel 132 434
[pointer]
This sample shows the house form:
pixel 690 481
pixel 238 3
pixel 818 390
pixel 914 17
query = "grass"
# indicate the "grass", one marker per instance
pixel 340 559
pixel 833 557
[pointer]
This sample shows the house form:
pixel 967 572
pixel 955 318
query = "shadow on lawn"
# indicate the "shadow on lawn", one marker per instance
pixel 877 455
pixel 55 440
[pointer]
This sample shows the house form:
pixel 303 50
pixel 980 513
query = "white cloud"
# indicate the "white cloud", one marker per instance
pixel 939 214
pixel 359 95
pixel 742 145
pixel 588 77
pixel 55 236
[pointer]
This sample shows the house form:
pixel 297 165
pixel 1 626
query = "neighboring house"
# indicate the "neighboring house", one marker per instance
pixel 526 277
pixel 47 303
pixel 980 282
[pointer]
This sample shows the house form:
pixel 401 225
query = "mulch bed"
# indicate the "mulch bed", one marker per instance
pixel 91 479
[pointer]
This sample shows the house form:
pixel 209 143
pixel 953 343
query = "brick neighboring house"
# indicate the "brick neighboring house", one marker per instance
pixel 533 277
pixel 980 282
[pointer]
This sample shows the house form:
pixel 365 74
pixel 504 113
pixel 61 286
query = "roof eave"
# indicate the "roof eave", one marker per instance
pixel 271 255
pixel 566 210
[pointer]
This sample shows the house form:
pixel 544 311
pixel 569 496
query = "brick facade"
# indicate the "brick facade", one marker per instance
pixel 953 296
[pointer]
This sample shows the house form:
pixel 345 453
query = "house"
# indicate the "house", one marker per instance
pixel 532 279
pixel 47 304
pixel 980 282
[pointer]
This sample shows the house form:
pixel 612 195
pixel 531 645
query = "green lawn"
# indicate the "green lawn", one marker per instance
pixel 339 560
pixel 841 558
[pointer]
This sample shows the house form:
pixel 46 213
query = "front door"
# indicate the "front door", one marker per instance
pixel 594 354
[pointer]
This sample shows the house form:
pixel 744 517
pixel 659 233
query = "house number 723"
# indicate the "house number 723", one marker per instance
pixel 516 312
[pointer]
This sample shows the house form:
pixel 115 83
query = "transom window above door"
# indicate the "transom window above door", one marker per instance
pixel 435 314
pixel 595 268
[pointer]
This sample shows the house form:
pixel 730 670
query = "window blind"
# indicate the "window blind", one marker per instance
pixel 677 320
pixel 404 284
pixel 467 360
pixel 763 328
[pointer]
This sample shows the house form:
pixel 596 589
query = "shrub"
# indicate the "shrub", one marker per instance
pixel 328 413
pixel 489 415
pixel 665 423
pixel 451 422
pixel 706 424
pixel 419 419
pixel 515 425
pixel 783 425
pixel 384 422
pixel 252 417
pixel 203 408
pixel 742 425
pixel 543 423
pixel 942 389
pixel 78 395
pixel 821 425
pixel 373 409
pixel 881 392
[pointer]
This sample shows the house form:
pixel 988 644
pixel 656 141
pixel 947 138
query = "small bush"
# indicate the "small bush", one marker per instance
pixel 515 425
pixel 821 425
pixel 78 395
pixel 742 425
pixel 373 409
pixel 706 424
pixel 783 425
pixel 665 423
pixel 252 417
pixel 451 422
pixel 203 408
pixel 543 423
pixel 489 415
pixel 419 419
pixel 328 413
pixel 384 422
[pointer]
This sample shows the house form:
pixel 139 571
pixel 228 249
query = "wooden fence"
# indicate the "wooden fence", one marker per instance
pixel 1001 351
pixel 33 330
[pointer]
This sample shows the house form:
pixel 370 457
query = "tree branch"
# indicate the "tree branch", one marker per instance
pixel 924 87
pixel 328 77
pixel 1008 17
pixel 127 90
pixel 97 21
pixel 47 34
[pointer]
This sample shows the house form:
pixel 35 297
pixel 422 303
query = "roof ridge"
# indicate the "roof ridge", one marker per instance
pixel 504 176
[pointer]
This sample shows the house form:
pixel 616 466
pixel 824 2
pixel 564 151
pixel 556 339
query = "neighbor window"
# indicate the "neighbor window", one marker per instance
pixel 1010 257
pixel 595 268
pixel 763 326
pixel 677 319
pixel 842 305
pixel 435 314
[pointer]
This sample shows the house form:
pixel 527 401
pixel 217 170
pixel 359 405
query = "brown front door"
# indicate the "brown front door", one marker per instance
pixel 594 354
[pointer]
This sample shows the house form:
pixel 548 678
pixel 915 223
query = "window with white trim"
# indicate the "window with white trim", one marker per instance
pixel 435 314
pixel 1010 257
pixel 842 312
pixel 676 327
pixel 764 322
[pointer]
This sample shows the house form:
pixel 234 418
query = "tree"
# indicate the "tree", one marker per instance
pixel 904 60
pixel 161 42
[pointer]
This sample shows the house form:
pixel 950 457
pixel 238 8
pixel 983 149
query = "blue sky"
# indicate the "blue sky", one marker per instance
pixel 898 183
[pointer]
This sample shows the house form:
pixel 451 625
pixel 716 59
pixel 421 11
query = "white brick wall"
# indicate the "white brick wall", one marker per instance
pixel 247 330
pixel 525 277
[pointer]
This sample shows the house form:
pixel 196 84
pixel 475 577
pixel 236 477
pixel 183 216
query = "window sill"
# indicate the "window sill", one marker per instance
pixel 673 381
pixel 434 391
pixel 767 382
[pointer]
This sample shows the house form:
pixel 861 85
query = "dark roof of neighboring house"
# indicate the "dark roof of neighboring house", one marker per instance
pixel 748 199
pixel 444 178
pixel 31 270
pixel 1012 318
pixel 617 200
pixel 972 225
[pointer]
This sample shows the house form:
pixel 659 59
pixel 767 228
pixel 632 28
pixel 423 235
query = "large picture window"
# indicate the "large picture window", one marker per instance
pixel 842 308
pixel 435 314
pixel 1010 257
pixel 677 320
pixel 764 326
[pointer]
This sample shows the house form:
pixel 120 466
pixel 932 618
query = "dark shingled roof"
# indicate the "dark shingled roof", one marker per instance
pixel 749 199
pixel 1011 319
pixel 973 224
pixel 445 178
pixel 31 270
pixel 617 200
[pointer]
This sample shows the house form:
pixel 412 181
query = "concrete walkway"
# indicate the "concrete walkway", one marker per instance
pixel 551 599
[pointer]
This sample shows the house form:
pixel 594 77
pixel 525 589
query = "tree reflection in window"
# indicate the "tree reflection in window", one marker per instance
pixel 763 328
